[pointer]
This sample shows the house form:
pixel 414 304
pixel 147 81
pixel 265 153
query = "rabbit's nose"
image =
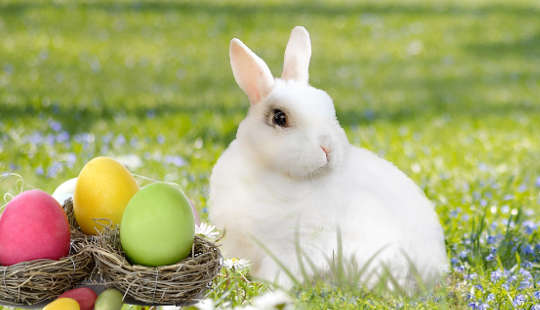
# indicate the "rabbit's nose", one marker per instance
pixel 326 151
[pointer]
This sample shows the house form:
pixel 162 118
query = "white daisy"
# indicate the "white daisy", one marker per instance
pixel 205 304
pixel 236 263
pixel 206 230
pixel 270 301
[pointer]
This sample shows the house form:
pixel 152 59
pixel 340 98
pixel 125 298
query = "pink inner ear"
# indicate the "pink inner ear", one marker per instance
pixel 297 55
pixel 250 72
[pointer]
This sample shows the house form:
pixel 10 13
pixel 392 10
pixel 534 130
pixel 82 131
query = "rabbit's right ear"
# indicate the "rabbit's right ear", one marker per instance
pixel 250 72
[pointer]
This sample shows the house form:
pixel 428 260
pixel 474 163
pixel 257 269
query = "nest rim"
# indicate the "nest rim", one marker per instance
pixel 33 282
pixel 180 284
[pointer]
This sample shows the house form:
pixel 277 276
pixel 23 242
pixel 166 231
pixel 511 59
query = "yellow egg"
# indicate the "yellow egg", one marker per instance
pixel 103 189
pixel 63 304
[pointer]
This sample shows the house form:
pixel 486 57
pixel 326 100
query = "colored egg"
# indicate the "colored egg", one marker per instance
pixel 65 191
pixel 109 299
pixel 33 226
pixel 63 304
pixel 157 227
pixel 85 296
pixel 103 190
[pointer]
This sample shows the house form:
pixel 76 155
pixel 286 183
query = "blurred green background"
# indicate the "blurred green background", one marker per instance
pixel 447 90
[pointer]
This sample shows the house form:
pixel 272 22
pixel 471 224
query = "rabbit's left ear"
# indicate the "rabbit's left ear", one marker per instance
pixel 297 55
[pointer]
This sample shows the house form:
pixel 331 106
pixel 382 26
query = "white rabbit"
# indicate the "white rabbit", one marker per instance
pixel 291 168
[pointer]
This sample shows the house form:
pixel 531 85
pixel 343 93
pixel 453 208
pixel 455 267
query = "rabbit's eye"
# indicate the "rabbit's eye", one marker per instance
pixel 279 118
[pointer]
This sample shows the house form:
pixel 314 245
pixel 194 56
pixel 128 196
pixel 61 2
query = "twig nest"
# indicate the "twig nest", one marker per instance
pixel 179 284
pixel 33 282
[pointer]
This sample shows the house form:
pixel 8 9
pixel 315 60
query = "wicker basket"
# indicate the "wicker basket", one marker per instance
pixel 41 280
pixel 180 284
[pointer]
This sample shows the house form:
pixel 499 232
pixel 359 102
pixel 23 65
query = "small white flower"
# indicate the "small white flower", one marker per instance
pixel 205 304
pixel 236 263
pixel 207 230
pixel 270 301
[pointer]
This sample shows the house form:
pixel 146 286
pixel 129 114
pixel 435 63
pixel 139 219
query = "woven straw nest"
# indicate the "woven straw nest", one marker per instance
pixel 36 281
pixel 180 284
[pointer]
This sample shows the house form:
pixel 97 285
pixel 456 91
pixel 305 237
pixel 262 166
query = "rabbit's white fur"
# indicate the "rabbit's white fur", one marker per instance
pixel 273 181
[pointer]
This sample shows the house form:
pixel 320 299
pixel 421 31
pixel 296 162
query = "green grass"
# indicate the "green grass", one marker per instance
pixel 448 91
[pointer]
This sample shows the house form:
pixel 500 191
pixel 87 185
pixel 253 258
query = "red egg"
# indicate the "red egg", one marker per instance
pixel 33 226
pixel 85 296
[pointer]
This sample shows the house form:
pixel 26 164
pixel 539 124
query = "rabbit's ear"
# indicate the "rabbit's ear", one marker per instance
pixel 297 55
pixel 250 72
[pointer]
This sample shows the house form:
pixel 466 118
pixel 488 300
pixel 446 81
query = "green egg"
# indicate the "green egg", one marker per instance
pixel 109 299
pixel 157 227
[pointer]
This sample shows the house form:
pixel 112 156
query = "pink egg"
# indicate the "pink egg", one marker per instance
pixel 33 226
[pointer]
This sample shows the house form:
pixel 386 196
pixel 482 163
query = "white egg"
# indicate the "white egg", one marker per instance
pixel 65 190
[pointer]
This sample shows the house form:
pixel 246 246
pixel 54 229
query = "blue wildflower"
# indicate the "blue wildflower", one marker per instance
pixel 537 183
pixel 178 161
pixel 470 276
pixel 505 209
pixel 56 126
pixel 39 170
pixel 473 305
pixel 525 273
pixel 483 203
pixel 528 250
pixel 490 257
pixel 508 197
pixel 107 138
pixel 483 306
pixel 536 294
pixel 160 139
pixel 62 137
pixel 519 300
pixel 50 139
pixel 490 297
pixel 120 140
pixel 35 138
pixel 84 138
pixel 496 275
pixel 479 287
pixel 526 264
pixel 459 268
pixel 529 226
pixel 536 307
pixel 522 188
pixel 71 159
pixel 463 254
pixel 454 261
pixel 491 239
pixel 54 169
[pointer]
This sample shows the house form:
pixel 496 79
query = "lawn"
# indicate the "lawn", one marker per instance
pixel 448 91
